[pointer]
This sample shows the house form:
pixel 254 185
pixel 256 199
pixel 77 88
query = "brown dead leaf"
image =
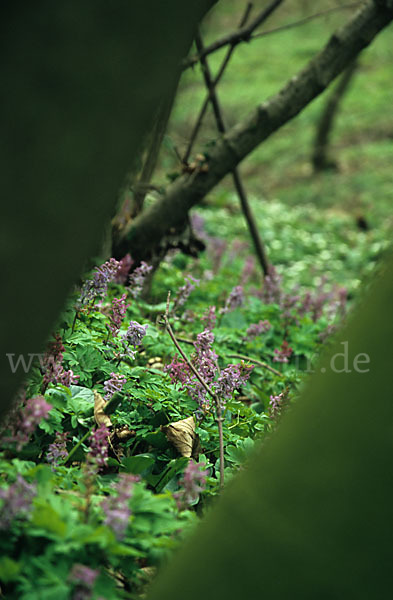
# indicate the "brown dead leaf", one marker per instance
pixel 100 417
pixel 182 435
pixel 123 433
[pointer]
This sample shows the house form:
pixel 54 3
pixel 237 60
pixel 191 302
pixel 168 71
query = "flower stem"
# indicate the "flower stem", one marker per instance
pixel 204 384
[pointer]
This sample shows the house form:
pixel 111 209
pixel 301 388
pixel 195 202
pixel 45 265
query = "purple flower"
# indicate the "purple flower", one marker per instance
pixel 305 304
pixel 271 291
pixel 217 248
pixel 178 371
pixel 53 370
pixel 276 405
pixel 256 329
pixel 282 354
pixel 230 379
pixel 124 269
pixel 56 348
pixel 204 361
pixel 119 309
pixel 234 300
pixel 116 508
pixel 98 286
pixel 67 378
pixel 184 291
pixel 83 575
pixel 209 318
pixel 137 279
pixel 98 452
pixel 57 450
pixel 28 418
pixel 135 334
pixel 17 499
pixel 248 270
pixel 114 384
pixel 192 484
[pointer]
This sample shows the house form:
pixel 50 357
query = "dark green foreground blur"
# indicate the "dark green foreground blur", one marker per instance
pixel 81 82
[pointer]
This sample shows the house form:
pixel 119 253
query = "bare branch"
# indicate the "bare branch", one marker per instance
pixel 238 36
pixel 241 192
pixel 234 38
pixel 146 232
pixel 305 20
pixel 259 363
pixel 220 73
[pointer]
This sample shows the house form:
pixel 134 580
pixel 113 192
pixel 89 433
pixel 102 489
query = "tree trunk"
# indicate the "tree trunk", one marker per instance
pixel 320 159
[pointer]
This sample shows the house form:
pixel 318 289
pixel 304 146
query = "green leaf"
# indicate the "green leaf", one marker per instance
pixel 138 464
pixel 157 439
pixel 78 391
pixel 9 569
pixel 175 466
pixel 47 518
pixel 234 320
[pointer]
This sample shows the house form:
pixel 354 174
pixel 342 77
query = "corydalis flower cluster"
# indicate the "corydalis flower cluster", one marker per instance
pixel 257 329
pixel 204 360
pixel 97 455
pixel 116 508
pixel 184 291
pixel 98 286
pixel 137 279
pixel 16 501
pixel 133 337
pixel 124 268
pixel 27 419
pixel 84 577
pixel 118 311
pixel 230 379
pixel 114 384
pixel 234 300
pixel 52 366
pixel 57 450
pixel 282 354
pixel 296 305
pixel 276 405
pixel 192 484
pixel 209 318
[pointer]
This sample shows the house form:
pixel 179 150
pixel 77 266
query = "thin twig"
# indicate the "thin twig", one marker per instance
pixel 185 340
pixel 256 362
pixel 224 64
pixel 205 386
pixel 238 36
pixel 242 35
pixel 213 97
pixel 183 355
pixel 78 444
pixel 305 20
